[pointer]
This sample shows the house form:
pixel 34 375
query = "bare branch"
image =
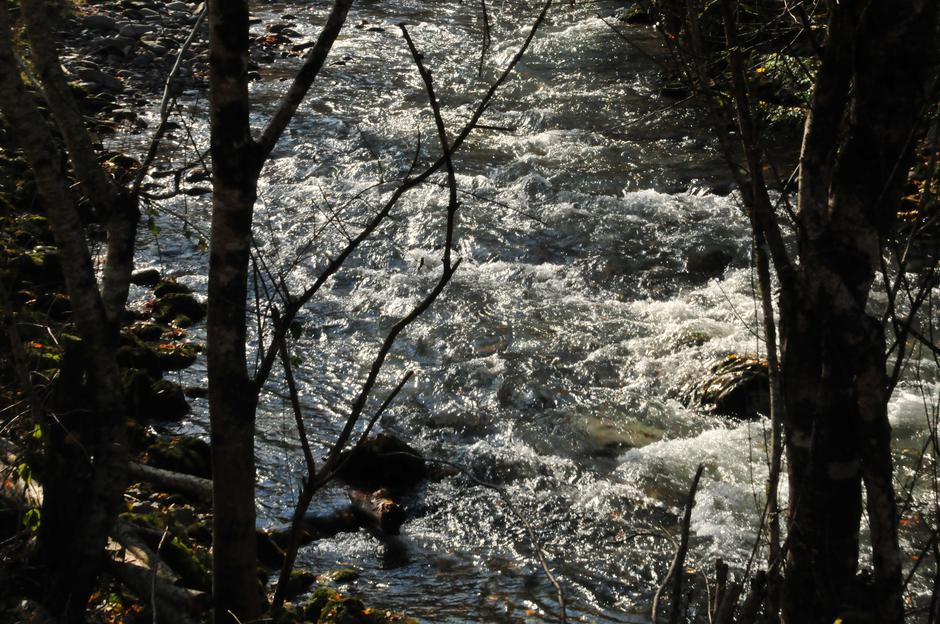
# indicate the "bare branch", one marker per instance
pixel 676 570
pixel 313 63
pixel 169 95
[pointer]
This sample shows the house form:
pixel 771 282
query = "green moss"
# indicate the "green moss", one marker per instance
pixel 150 520
pixel 192 564
pixel 328 606
pixel 173 305
pixel 168 286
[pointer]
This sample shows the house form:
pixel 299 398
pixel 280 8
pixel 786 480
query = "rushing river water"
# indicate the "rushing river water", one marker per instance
pixel 554 363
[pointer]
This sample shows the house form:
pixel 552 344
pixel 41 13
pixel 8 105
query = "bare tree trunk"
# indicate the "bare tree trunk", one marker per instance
pixel 99 454
pixel 232 396
pixel 856 149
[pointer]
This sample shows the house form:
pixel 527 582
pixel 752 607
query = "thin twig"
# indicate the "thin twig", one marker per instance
pixel 169 95
pixel 677 567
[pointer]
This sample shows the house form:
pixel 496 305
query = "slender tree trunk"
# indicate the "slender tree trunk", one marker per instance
pixel 856 149
pixel 232 395
pixel 98 443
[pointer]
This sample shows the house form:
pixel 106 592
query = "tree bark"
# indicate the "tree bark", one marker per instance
pixel 232 396
pixel 856 150
pixel 78 514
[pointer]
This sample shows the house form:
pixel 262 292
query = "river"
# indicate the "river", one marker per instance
pixel 554 363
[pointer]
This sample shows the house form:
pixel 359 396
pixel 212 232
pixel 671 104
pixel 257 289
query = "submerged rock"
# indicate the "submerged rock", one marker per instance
pixel 711 262
pixel 736 386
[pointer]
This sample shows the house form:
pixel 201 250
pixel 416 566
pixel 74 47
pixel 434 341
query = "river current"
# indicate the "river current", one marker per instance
pixel 605 268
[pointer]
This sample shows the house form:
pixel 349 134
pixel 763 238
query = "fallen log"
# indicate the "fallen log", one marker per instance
pixel 318 526
pixel 172 604
pixel 174 481
pixel 375 512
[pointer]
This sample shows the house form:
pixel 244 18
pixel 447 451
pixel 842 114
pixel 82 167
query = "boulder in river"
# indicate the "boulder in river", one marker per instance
pixel 145 277
pixel 180 308
pixel 736 386
pixel 383 461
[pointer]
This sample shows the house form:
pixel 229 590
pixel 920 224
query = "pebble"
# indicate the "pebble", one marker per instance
pixel 177 6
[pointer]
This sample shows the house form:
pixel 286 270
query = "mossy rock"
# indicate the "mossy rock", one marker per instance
pixel 171 306
pixel 299 582
pixel 328 606
pixel 152 520
pixel 181 454
pixel 176 356
pixel 169 286
pixel 736 386
pixel 342 576
pixel 146 331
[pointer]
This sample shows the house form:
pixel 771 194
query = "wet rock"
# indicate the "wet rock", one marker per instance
pixel 677 89
pixel 181 454
pixel 634 14
pixel 138 357
pixel 340 576
pixel 383 461
pixel 177 6
pixel 145 277
pixel 736 386
pixel 300 47
pixel 712 262
pixel 328 606
pixel 142 60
